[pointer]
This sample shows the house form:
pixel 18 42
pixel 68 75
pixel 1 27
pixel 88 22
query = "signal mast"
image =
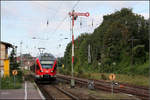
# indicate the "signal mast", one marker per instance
pixel 74 15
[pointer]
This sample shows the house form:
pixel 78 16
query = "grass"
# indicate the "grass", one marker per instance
pixel 135 80
pixel 8 83
pixel 138 76
pixel 135 75
pixel 136 69
pixel 107 96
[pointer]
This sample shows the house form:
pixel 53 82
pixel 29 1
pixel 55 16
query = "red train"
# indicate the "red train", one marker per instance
pixel 45 67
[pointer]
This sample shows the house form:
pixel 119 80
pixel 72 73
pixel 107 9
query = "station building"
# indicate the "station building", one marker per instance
pixel 4 46
pixel 27 61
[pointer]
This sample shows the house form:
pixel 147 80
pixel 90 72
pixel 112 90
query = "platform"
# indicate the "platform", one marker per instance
pixel 28 91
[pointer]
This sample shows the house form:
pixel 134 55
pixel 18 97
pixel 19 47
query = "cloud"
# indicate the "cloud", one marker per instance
pixel 31 17
pixel 49 10
pixel 52 8
pixel 9 12
pixel 146 15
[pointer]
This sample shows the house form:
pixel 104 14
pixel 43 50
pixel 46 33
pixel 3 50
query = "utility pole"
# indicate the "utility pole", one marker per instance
pixel 21 54
pixel 132 40
pixel 74 16
pixel 89 54
pixel 15 51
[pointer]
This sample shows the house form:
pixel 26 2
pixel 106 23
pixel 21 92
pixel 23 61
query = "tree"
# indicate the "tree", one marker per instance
pixel 13 60
pixel 110 42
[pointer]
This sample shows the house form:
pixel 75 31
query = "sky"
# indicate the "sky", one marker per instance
pixel 23 20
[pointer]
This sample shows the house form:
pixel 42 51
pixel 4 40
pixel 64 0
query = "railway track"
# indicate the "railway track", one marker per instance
pixel 56 93
pixel 140 92
pixel 125 85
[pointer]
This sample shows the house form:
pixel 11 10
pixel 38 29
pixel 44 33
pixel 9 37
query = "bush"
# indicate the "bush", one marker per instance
pixel 8 83
pixel 19 75
pixel 64 71
pixel 85 75
pixel 80 71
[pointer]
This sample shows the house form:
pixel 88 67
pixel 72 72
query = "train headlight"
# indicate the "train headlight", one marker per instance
pixel 51 71
pixel 37 76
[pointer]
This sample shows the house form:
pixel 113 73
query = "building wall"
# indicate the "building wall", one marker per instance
pixel 3 55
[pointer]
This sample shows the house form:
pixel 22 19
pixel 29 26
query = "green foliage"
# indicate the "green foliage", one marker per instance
pixel 13 60
pixel 14 65
pixel 113 42
pixel 103 77
pixel 8 82
pixel 60 61
pixel 64 71
pixel 139 54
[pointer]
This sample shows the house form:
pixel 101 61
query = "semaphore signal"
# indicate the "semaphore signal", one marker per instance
pixel 74 15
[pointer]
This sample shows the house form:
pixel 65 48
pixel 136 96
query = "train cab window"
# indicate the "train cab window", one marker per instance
pixel 47 65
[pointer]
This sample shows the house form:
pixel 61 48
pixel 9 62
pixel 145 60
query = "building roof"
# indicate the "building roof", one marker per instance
pixel 7 44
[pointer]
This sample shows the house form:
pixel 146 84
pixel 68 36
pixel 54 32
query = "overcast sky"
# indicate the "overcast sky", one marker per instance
pixel 23 20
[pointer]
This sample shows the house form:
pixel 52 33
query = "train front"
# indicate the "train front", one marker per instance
pixel 46 65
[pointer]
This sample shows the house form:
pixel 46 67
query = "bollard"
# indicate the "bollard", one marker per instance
pixel 14 82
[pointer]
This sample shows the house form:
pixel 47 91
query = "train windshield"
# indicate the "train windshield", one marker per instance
pixel 47 65
pixel 46 57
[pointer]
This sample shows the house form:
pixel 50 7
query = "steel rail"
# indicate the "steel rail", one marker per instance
pixel 143 94
pixel 67 93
